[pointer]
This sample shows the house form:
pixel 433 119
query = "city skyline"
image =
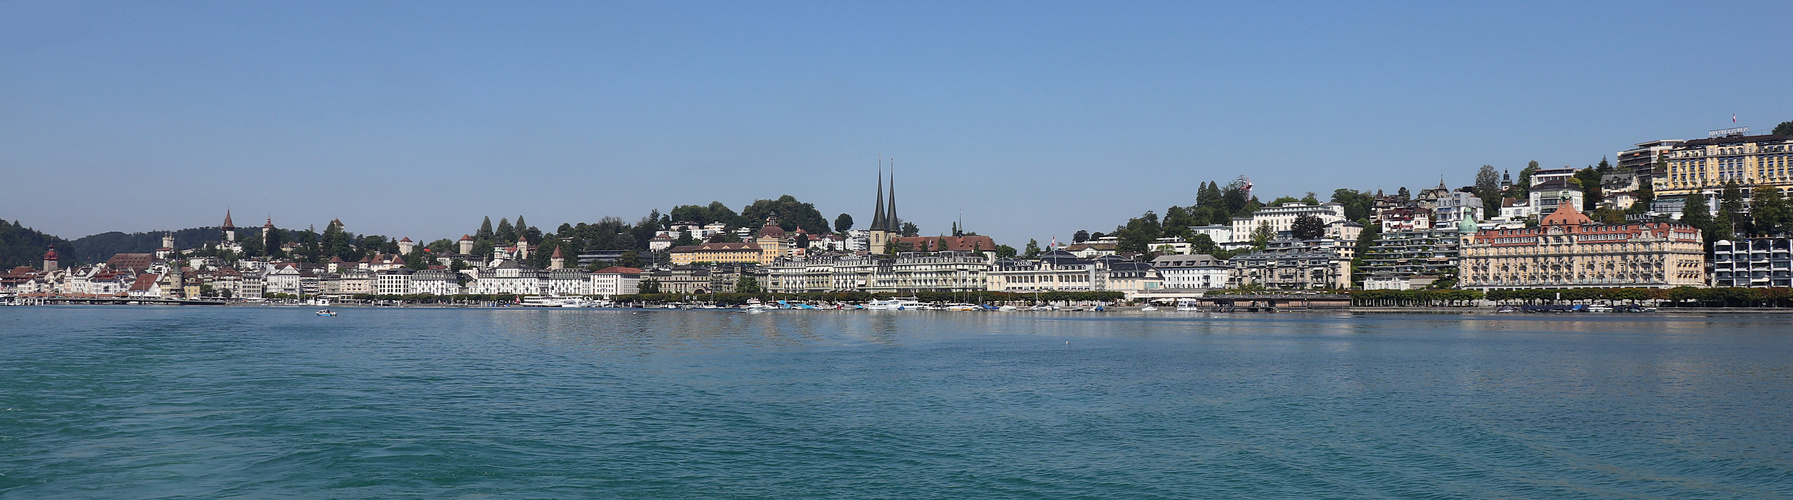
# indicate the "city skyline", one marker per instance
pixel 1034 120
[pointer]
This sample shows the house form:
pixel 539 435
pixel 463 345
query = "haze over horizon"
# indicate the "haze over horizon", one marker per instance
pixel 1034 119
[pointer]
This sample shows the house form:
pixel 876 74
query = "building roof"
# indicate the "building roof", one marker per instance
pixel 228 225
pixel 1565 215
pixel 953 243
pixel 144 282
pixel 618 270
pixel 138 261
pixel 466 238
pixel 557 254
pixel 715 247
pixel 1735 139
pixel 771 231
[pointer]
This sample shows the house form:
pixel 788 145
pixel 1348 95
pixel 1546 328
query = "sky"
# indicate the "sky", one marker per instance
pixel 1031 119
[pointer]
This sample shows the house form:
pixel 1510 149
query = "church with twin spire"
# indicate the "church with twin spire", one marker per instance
pixel 885 227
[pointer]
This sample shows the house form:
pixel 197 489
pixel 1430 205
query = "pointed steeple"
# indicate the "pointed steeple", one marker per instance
pixel 892 223
pixel 878 213
pixel 227 224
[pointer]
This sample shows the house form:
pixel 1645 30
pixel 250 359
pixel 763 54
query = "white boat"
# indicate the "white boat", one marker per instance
pixel 326 312
pixel 893 305
pixel 1007 308
pixel 554 301
pixel 1599 308
pixel 1187 305
pixel 1148 309
pixel 963 307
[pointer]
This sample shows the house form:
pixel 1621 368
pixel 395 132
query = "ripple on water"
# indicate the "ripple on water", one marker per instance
pixel 125 401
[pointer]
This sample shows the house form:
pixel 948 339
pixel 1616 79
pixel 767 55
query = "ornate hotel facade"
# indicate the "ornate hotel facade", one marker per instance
pixel 1569 250
pixel 1708 164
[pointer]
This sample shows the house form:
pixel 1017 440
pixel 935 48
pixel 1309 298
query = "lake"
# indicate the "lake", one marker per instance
pixel 276 402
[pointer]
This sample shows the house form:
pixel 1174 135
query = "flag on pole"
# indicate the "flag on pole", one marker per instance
pixel 1733 117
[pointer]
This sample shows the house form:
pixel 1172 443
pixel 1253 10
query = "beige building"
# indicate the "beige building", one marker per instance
pixel 720 253
pixel 1750 160
pixel 1569 250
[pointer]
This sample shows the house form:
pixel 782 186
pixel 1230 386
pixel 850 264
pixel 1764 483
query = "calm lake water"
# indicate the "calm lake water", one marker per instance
pixel 267 402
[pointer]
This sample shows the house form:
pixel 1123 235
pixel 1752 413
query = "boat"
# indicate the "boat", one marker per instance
pixel 892 305
pixel 1148 309
pixel 963 307
pixel 1007 308
pixel 326 312
pixel 1187 305
pixel 1599 308
pixel 1507 309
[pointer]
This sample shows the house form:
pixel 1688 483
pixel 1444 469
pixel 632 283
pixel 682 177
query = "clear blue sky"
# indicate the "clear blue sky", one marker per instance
pixel 1036 119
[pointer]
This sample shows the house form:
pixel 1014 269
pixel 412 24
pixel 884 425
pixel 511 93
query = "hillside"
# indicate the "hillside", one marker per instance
pixel 23 246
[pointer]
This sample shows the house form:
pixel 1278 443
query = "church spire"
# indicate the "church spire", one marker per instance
pixel 892 223
pixel 878 213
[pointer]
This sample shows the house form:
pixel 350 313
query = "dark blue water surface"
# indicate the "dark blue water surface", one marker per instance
pixel 259 402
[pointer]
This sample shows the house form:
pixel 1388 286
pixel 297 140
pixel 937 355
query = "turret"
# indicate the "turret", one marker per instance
pixel 50 259
pixel 466 244
pixel 405 246
pixel 557 261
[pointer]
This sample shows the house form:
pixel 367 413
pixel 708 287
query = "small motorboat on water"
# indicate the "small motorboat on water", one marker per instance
pixel 1148 309
pixel 326 312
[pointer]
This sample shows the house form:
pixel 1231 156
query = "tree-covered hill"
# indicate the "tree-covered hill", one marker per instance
pixel 99 247
pixel 23 246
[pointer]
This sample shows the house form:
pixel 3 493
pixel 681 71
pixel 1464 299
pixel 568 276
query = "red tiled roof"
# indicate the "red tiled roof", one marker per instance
pixel 954 243
pixel 618 270
pixel 1565 215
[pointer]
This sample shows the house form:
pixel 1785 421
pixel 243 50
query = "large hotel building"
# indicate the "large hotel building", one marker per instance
pixel 1703 165
pixel 1569 250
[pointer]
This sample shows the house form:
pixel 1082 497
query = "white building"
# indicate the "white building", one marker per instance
pixel 1283 218
pixel 434 282
pixel 1450 209
pixel 285 279
pixel 613 281
pixel 1197 271
pixel 507 277
pixel 393 281
pixel 567 282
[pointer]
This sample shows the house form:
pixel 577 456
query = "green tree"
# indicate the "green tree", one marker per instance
pixel 1080 237
pixel 1785 128
pixel 505 234
pixel 1769 211
pixel 1138 234
pixel 1033 249
pixel 792 214
pixel 1005 252
pixel 1522 187
pixel 1487 187
pixel 1308 227
pixel 630 259
pixel 1203 244
pixel 910 229
pixel 747 285
pixel 843 223
pixel 485 230
pixel 647 285
pixel 1646 193
pixel 1260 237
pixel 1730 213
pixel 1591 194
pixel 1696 213
pixel 1358 205
pixel 1284 200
